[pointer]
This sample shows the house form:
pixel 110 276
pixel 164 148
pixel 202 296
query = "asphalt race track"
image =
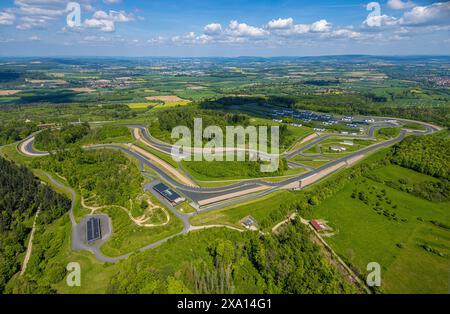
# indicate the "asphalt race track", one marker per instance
pixel 227 195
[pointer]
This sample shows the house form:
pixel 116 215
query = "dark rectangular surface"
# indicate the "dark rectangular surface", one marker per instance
pixel 167 192
pixel 93 229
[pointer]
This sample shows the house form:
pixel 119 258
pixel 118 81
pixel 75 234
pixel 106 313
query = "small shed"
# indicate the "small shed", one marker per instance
pixel 316 225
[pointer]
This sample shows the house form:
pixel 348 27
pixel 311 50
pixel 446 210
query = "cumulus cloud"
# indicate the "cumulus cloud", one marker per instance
pixel 281 23
pixel 34 38
pixel 39 13
pixel 320 26
pixel 106 21
pixel 244 30
pixel 189 38
pixel 400 5
pixel 434 14
pixel 115 16
pixel 344 33
pixel 212 29
pixel 7 18
pixel 287 27
pixel 103 25
pixel 380 21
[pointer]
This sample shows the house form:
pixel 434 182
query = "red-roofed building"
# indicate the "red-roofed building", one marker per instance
pixel 316 225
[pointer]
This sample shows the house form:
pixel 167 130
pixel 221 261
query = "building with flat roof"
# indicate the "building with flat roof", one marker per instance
pixel 337 148
pixel 173 197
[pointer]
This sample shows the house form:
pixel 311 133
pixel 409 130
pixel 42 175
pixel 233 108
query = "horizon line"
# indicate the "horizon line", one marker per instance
pixel 229 57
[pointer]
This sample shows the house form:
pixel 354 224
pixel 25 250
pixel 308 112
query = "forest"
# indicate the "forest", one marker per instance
pixel 286 262
pixel 168 119
pixel 21 195
pixel 76 135
pixel 49 140
pixel 15 131
pixel 116 179
pixel 426 154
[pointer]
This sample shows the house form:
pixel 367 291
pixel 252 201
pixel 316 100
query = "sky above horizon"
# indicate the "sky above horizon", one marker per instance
pixel 223 28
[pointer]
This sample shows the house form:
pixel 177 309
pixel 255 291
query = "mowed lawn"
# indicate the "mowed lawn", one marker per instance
pixel 363 235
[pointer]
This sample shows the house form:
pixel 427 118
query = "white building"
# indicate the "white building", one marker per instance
pixel 349 143
pixel 337 149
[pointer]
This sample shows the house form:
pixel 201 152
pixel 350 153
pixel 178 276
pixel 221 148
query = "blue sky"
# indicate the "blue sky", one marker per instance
pixel 224 28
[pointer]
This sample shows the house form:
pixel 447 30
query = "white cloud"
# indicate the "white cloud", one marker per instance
pixel 112 1
pixel 212 29
pixel 38 13
pixel 106 21
pixel 32 22
pixel 291 29
pixel 189 39
pixel 34 38
pixel 434 14
pixel 400 5
pixel 115 16
pixel 237 29
pixel 345 33
pixel 380 21
pixel 280 23
pixel 7 18
pixel 320 26
pixel 103 25
pixel 300 29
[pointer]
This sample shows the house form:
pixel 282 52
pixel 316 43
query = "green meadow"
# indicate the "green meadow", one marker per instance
pixel 392 228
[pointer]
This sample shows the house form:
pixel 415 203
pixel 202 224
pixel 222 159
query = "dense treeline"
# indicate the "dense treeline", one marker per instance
pixel 21 195
pixel 426 154
pixel 62 113
pixel 68 135
pixel 49 140
pixel 284 101
pixel 168 119
pixel 107 175
pixel 288 262
pixel 14 131
pixel 107 133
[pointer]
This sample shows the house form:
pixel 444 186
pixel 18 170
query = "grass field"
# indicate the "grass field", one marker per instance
pixel 312 162
pixel 229 170
pixel 258 209
pixel 128 237
pixel 139 105
pixel 363 234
